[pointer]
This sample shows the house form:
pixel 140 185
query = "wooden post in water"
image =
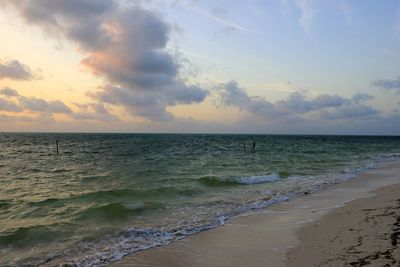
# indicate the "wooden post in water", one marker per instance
pixel 57 145
pixel 253 148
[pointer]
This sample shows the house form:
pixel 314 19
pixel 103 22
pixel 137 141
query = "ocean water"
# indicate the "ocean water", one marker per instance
pixel 107 195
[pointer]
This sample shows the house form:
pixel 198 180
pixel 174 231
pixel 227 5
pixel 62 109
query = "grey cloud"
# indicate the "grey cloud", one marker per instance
pixel 297 103
pixel 6 105
pixel 94 112
pixel 361 97
pixel 99 108
pixel 259 105
pixel 8 92
pixel 151 104
pixel 296 106
pixel 13 69
pixel 41 105
pixel 137 60
pixel 45 109
pixel 233 95
pixel 60 17
pixel 182 93
pixel 325 100
pixel 30 103
pixel 388 84
pixel 125 45
pixel 349 111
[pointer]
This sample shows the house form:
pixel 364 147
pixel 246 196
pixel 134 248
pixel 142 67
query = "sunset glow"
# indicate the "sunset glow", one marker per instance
pixel 200 66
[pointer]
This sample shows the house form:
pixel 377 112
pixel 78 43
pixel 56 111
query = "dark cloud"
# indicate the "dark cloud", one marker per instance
pixel 296 107
pixel 124 45
pixel 15 70
pixel 388 84
pixel 349 111
pixel 8 92
pixel 7 105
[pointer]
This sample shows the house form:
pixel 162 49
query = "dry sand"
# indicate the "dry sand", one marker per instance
pixel 365 232
pixel 318 229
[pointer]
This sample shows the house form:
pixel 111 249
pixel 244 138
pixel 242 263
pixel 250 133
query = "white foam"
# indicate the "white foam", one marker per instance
pixel 258 179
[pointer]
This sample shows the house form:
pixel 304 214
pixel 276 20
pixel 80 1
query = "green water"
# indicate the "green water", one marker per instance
pixel 106 195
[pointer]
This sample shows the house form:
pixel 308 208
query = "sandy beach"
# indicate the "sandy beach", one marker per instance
pixel 363 232
pixel 354 223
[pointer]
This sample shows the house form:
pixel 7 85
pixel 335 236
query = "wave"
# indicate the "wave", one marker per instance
pixel 27 235
pixel 214 181
pixel 117 211
pixel 260 179
pixel 119 194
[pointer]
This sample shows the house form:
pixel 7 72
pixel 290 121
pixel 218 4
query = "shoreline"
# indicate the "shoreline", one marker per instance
pixel 244 239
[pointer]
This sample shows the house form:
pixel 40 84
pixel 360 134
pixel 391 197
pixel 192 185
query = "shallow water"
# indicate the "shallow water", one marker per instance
pixel 106 195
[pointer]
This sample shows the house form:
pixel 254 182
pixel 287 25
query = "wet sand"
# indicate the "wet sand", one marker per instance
pixel 348 224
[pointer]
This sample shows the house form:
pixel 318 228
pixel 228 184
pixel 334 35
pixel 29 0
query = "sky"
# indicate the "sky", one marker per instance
pixel 193 66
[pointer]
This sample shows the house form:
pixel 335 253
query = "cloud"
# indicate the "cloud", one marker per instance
pixel 349 111
pixel 388 84
pixel 296 107
pixel 297 103
pixel 308 13
pixel 233 95
pixel 42 110
pixel 30 103
pixel 8 92
pixel 15 70
pixel 124 45
pixel 361 97
pixel 7 105
pixel 60 17
pixel 151 104
pixel 41 105
pixel 94 112
pixel 217 15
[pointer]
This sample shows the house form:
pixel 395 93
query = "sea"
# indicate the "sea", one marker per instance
pixel 104 196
